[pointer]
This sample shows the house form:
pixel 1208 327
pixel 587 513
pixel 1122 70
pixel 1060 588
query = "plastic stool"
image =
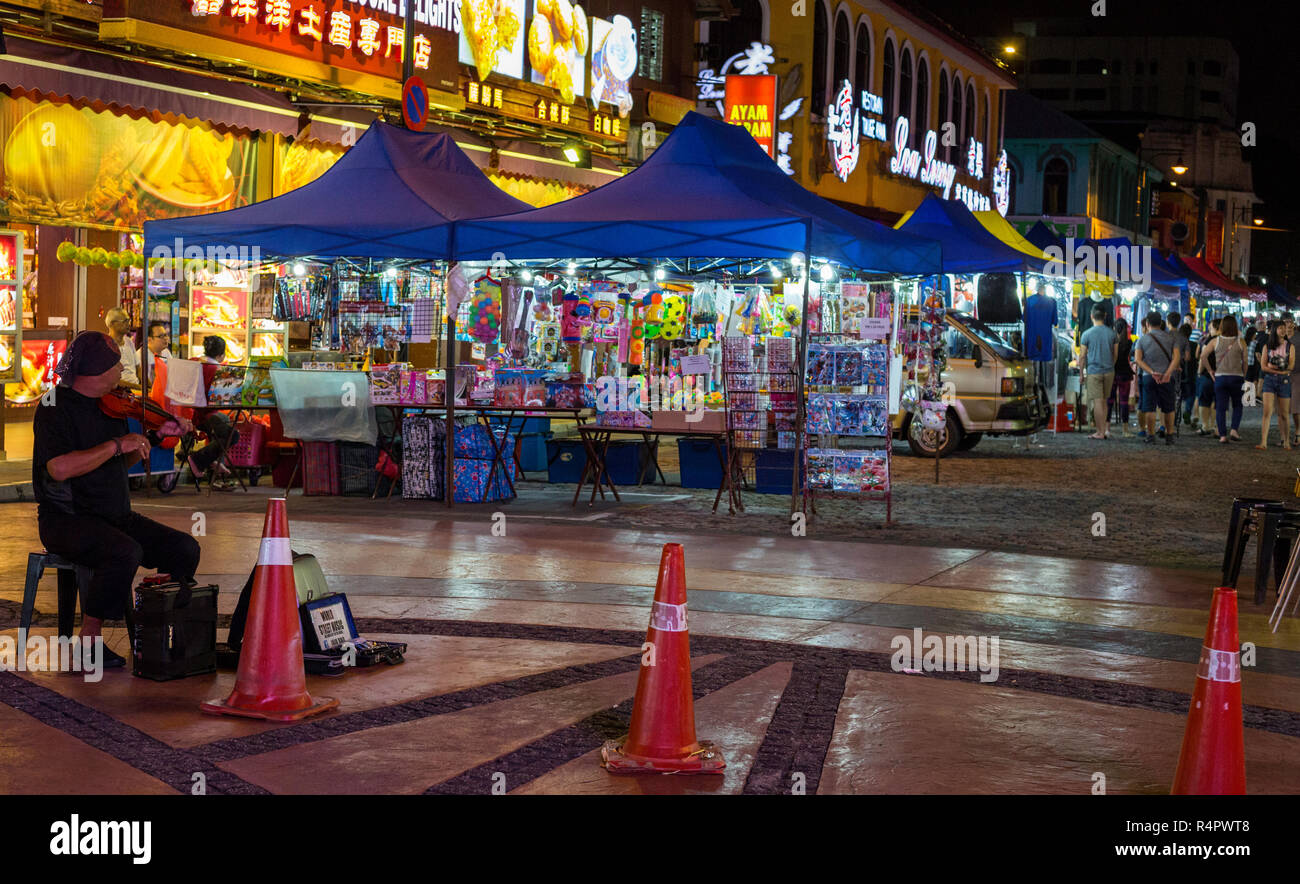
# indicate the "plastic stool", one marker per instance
pixel 72 579
pixel 1245 519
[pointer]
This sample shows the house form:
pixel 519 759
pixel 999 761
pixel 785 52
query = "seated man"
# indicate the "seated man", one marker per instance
pixel 79 461
pixel 212 422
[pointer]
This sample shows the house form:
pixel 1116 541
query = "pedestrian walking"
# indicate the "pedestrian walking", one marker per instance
pixel 1186 373
pixel 1254 340
pixel 1157 355
pixel 1229 373
pixel 1276 364
pixel 1123 373
pixel 1205 380
pixel 1098 350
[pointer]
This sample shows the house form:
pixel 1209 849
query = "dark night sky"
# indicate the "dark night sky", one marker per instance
pixel 1266 98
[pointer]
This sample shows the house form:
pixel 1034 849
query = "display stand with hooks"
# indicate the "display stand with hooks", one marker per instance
pixel 756 386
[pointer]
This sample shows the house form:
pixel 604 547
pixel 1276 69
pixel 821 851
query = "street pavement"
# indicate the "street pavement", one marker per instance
pixel 524 652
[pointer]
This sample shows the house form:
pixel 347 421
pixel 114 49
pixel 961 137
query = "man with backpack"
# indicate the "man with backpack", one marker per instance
pixel 1158 356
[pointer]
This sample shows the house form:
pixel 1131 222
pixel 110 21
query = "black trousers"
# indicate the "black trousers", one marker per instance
pixel 115 550
pixel 218 428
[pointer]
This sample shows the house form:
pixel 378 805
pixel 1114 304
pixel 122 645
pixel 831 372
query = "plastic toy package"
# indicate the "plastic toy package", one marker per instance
pixel 748 420
pixel 821 366
pixel 737 354
pixel 781 383
pixel 821 413
pixel 780 354
pixel 848 415
pixel 821 468
pixel 786 439
pixel 847 473
pixel 744 401
pixel 875 416
pixel 751 438
pixel 848 367
pixel 743 382
pixel 875 368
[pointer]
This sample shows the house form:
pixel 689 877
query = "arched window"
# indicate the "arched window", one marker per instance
pixel 821 31
pixel 905 92
pixel 922 98
pixel 957 120
pixel 887 84
pixel 970 114
pixel 944 111
pixel 862 67
pixel 1056 187
pixel 984 127
pixel 841 53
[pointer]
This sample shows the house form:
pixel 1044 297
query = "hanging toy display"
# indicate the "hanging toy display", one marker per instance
pixel 636 343
pixel 674 318
pixel 548 340
pixel 605 315
pixel 485 310
pixel 575 314
pixel 654 314
pixel 750 310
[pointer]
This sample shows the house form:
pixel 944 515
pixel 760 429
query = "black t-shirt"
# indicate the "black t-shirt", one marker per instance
pixel 1208 344
pixel 74 423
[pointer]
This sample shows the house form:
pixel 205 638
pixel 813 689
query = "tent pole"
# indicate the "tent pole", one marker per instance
pixel 449 386
pixel 799 453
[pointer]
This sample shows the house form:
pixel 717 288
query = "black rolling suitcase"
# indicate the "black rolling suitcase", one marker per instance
pixel 174 632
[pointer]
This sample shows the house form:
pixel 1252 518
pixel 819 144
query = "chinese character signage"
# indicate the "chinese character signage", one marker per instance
pixel 11 306
pixel 1002 184
pixel 751 102
pixel 975 159
pixel 842 132
pixel 363 36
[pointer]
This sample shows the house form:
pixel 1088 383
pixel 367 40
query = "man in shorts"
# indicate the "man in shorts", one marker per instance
pixel 1159 356
pixel 1098 349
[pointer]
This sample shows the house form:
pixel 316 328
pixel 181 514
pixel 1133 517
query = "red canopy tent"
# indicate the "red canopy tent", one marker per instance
pixel 1215 278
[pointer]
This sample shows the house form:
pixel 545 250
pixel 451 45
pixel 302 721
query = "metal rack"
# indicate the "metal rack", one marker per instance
pixel 834 410
pixel 753 392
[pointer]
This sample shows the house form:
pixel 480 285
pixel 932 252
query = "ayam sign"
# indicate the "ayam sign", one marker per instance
pixel 365 36
pixel 751 102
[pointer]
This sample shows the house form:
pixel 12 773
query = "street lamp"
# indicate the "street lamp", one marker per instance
pixel 1178 168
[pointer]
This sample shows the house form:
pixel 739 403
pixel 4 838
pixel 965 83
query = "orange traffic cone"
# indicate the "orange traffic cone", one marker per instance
pixel 1213 758
pixel 271 682
pixel 662 735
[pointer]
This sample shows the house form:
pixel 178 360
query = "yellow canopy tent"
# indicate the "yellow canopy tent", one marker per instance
pixel 1002 229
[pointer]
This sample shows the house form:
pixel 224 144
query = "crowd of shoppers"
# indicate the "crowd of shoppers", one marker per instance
pixel 1173 374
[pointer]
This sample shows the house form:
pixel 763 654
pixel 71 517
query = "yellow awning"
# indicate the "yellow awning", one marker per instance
pixel 1003 230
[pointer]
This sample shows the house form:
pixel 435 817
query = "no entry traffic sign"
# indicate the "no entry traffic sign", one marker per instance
pixel 415 104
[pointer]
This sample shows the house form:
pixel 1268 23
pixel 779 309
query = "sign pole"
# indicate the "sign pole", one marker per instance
pixel 408 40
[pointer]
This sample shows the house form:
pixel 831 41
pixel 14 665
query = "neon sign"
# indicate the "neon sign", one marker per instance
pixel 750 62
pixel 975 160
pixel 873 128
pixel 1002 184
pixel 907 162
pixel 842 132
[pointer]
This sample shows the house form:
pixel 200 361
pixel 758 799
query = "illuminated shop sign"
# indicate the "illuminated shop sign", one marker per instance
pixel 924 166
pixel 755 60
pixel 842 132
pixel 907 162
pixel 1002 184
pixel 362 36
pixel 975 160
pixel 751 102
pixel 607 125
pixel 873 109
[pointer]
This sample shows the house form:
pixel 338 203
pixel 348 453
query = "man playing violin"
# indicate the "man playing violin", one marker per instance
pixel 80 458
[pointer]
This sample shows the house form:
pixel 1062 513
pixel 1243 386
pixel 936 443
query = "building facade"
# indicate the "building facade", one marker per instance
pixel 1170 100
pixel 1082 184
pixel 877 103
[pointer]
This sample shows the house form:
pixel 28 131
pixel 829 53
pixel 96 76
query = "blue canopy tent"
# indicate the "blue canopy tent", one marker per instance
pixel 395 194
pixel 709 191
pixel 1043 236
pixel 968 247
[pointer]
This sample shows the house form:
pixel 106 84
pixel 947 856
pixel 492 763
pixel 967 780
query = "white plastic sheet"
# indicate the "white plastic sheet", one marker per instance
pixel 325 406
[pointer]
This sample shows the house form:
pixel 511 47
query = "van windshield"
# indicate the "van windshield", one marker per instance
pixel 989 338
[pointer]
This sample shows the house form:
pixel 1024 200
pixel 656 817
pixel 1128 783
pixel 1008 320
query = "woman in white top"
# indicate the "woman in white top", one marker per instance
pixel 1228 374
pixel 116 321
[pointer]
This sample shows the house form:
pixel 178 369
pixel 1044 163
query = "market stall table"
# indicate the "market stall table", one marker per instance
pixel 596 439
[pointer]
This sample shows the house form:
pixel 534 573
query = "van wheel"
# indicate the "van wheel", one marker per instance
pixel 969 441
pixel 923 442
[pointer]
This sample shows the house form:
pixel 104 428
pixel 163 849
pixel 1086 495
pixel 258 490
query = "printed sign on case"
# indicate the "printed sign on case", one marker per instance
pixel 331 625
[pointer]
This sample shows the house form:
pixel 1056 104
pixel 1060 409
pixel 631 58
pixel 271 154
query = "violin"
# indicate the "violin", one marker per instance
pixel 123 404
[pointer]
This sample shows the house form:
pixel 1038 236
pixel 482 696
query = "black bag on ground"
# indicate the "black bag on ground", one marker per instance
pixel 174 631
